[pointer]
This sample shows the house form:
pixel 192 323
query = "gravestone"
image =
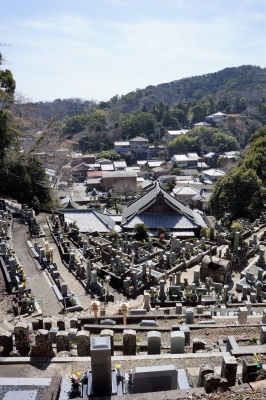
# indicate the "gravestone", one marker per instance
pixel 243 315
pixel 186 330
pixel 211 382
pixel 249 366
pixel 83 343
pixel 198 344
pixel 6 341
pixel 154 379
pixel 146 304
pixel 62 341
pixel 200 309
pixel 204 369
pixel 244 292
pixel 74 322
pixel 41 336
pixel 258 291
pixel 253 298
pixel 148 322
pixel 101 366
pixel 154 342
pixel 52 334
pixel 64 289
pixel 110 334
pixel 248 305
pixel 72 334
pixel 229 369
pixel 236 242
pixel 129 342
pixel 189 316
pixel 178 308
pixel 177 342
pixel 263 321
pixel 21 330
pixel 107 321
pixel 47 324
pixel 263 334
pixel 61 324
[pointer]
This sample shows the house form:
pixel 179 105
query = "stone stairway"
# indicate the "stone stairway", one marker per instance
pixel 6 326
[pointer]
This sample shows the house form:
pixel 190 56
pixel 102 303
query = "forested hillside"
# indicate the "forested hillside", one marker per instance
pixel 81 124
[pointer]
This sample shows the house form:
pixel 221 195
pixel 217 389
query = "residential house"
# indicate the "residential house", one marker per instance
pixel 107 167
pixel 79 172
pixel 139 146
pixel 231 154
pixel 80 158
pixel 217 117
pixel 120 165
pixel 154 164
pixel 122 148
pixel 155 150
pixel 185 193
pixel 186 161
pixel 210 159
pixel 171 135
pixel 111 177
pixel 212 175
pixel 202 125
pixel 159 171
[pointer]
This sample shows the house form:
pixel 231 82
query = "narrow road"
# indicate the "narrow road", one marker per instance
pixel 36 279
pixel 73 284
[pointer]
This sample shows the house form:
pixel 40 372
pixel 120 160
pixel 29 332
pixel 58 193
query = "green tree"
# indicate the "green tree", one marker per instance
pixel 109 154
pixel 165 231
pixel 239 194
pixel 141 122
pixel 175 170
pixel 22 174
pixel 141 231
pixel 183 144
pixel 170 186
pixel 196 114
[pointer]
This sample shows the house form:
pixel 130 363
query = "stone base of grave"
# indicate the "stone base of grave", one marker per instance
pixel 117 384
pixel 171 394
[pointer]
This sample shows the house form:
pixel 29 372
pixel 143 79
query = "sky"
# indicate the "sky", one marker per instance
pixel 95 49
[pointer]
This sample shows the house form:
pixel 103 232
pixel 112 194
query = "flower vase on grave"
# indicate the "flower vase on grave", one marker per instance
pixel 75 385
pixel 130 381
pixel 118 370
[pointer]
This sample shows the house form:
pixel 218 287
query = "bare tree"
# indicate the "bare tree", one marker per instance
pixel 125 188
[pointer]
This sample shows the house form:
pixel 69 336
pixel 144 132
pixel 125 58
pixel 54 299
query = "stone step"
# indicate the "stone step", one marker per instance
pixel 2 330
pixel 7 325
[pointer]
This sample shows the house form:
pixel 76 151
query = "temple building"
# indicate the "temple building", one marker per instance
pixel 158 208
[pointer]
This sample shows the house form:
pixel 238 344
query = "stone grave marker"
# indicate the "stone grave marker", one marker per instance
pixel 101 366
pixel 154 342
pixel 177 342
pixel 154 379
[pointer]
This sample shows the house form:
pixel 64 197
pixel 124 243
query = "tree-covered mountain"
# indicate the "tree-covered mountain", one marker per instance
pixel 239 92
pixel 223 86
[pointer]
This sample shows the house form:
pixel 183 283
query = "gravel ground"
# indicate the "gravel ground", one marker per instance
pixel 210 335
pixel 9 388
pixel 6 311
pixel 258 395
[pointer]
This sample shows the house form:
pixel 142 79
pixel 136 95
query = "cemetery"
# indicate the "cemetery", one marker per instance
pixel 173 319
